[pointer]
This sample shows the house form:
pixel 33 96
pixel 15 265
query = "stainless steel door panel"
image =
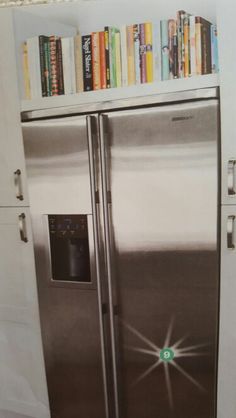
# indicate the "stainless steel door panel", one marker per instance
pixel 162 169
pixel 59 183
pixel 57 164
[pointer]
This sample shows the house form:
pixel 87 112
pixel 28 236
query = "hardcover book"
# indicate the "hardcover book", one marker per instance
pixel 164 50
pixel 149 53
pixel 87 62
pixel 96 61
pixel 143 62
pixel 130 55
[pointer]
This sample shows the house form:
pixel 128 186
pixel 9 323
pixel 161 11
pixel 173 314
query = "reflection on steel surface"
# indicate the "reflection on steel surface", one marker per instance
pixel 166 356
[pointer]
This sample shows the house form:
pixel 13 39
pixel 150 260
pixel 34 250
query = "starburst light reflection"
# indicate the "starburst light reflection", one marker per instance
pixel 166 356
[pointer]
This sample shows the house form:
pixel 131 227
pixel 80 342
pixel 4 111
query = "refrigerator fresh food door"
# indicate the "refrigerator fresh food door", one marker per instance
pixel 58 169
pixel 160 195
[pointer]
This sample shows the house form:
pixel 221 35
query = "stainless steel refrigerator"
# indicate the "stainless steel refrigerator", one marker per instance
pixel 124 203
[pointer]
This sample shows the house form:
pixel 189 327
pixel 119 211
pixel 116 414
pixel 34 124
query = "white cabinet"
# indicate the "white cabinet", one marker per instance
pixel 227 342
pixel 23 382
pixel 13 189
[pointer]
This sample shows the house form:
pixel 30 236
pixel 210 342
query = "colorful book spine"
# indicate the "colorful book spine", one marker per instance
pixel 107 55
pixel 87 62
pixel 96 61
pixel 183 15
pixel 118 60
pixel 186 46
pixel 53 66
pixel 60 67
pixel 130 55
pixel 198 44
pixel 164 50
pixel 214 49
pixel 180 13
pixel 113 54
pixel 124 63
pixel 102 60
pixel 192 36
pixel 42 39
pixel 47 68
pixel 149 52
pixel 156 39
pixel 26 72
pixel 137 53
pixel 143 62
pixel 79 64
pixel 171 34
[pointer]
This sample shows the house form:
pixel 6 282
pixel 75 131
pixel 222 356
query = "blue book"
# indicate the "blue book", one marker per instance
pixel 214 49
pixel 165 71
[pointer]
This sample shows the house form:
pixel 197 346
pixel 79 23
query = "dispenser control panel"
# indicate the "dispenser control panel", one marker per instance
pixel 69 245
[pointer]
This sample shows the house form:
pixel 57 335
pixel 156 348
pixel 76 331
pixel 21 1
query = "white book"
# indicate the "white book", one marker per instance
pixel 156 50
pixel 192 37
pixel 124 63
pixel 68 63
pixel 34 67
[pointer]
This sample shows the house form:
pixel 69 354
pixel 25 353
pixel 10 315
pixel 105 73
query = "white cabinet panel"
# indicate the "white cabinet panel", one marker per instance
pixel 11 144
pixel 227 342
pixel 226 23
pixel 23 389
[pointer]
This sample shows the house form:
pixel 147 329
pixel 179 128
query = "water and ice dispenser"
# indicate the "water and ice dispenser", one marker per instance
pixel 69 247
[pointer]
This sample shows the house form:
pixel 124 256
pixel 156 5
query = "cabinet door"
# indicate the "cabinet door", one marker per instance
pixel 23 390
pixel 12 169
pixel 227 341
pixel 226 23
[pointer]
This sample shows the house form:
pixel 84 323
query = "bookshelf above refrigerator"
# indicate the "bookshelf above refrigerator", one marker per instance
pixel 62 22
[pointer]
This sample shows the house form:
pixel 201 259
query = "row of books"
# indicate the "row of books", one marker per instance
pixel 111 58
pixel 134 54
pixel 189 46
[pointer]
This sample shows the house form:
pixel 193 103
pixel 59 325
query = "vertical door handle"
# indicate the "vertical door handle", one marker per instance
pixel 107 230
pixel 18 184
pixel 92 167
pixel 231 175
pixel 230 232
pixel 22 228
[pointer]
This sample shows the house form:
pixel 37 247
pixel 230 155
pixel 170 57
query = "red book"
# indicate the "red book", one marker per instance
pixel 102 60
pixel 96 61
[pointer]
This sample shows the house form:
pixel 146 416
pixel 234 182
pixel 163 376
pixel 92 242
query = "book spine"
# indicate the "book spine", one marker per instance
pixel 143 63
pixel 53 65
pixel 192 35
pixel 113 52
pixel 149 52
pixel 164 50
pixel 107 55
pixel 180 13
pixel 102 60
pixel 79 64
pixel 206 47
pixel 42 65
pixel 198 44
pixel 124 64
pixel 130 55
pixel 26 71
pixel 59 67
pixel 171 33
pixel 156 52
pixel 175 54
pixel 112 81
pixel 87 62
pixel 186 46
pixel 72 64
pixel 214 49
pixel 96 61
pixel 118 59
pixel 47 67
pixel 183 15
pixel 136 53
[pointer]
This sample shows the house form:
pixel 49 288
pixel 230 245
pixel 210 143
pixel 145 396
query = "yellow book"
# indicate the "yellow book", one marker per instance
pixel 186 47
pixel 118 59
pixel 130 55
pixel 149 53
pixel 26 72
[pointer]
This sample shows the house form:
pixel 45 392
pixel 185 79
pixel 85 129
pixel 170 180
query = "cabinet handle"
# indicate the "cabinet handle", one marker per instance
pixel 230 232
pixel 18 184
pixel 22 227
pixel 231 182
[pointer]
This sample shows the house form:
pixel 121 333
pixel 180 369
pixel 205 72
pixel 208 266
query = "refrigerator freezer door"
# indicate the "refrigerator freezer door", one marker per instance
pixel 57 162
pixel 161 169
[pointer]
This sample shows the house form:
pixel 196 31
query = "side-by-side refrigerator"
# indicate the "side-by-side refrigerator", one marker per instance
pixel 124 206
